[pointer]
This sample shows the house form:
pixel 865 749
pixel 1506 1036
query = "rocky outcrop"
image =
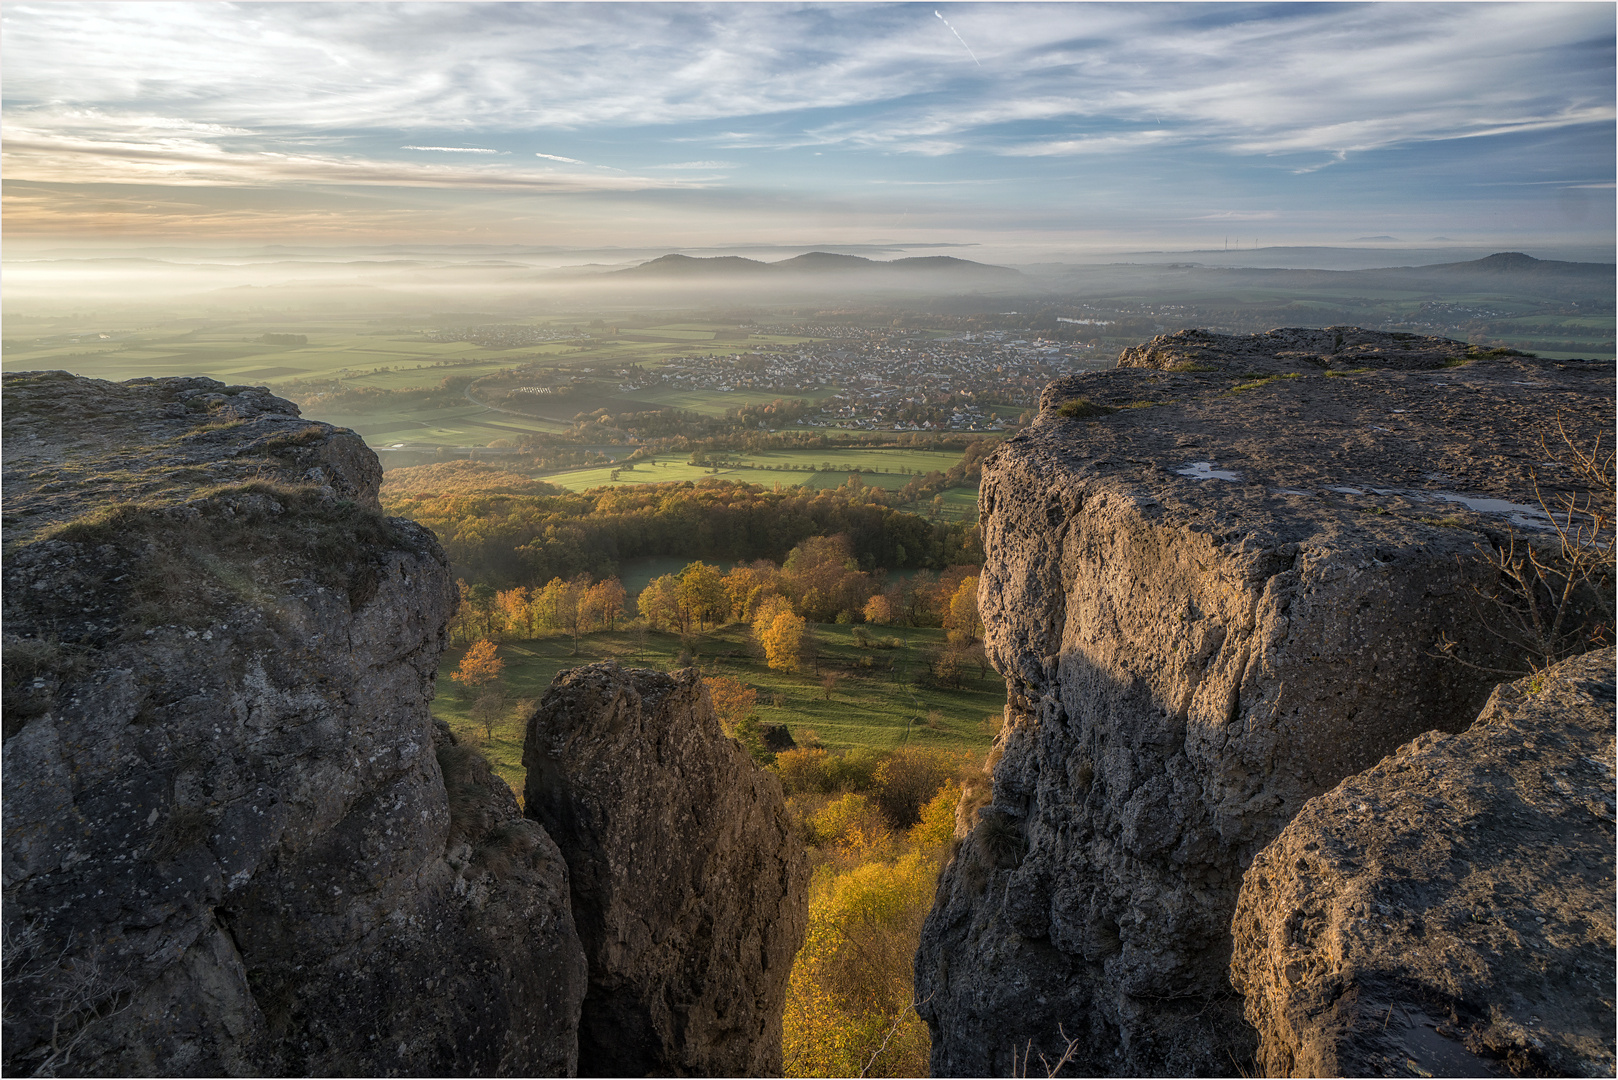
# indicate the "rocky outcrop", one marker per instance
pixel 236 843
pixel 1448 912
pixel 228 844
pixel 689 883
pixel 1332 348
pixel 1217 580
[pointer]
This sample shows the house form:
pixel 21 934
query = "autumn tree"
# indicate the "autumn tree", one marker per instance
pixel 828 683
pixel 516 610
pixel 733 700
pixel 546 604
pixel 916 599
pixel 747 585
pixel 879 610
pixel 782 640
pixel 572 609
pixel 962 619
pixel 702 594
pixel 823 578
pixel 605 600
pixel 659 604
pixel 480 666
pixel 488 708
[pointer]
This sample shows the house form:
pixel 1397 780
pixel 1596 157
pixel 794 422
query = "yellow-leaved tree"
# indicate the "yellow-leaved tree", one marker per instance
pixel 962 620
pixel 782 640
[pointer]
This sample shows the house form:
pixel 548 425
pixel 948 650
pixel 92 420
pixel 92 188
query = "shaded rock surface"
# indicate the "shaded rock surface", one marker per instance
pixel 1214 594
pixel 689 883
pixel 1451 909
pixel 228 845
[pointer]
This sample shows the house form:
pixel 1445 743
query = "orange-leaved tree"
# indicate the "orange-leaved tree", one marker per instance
pixel 480 666
pixel 733 700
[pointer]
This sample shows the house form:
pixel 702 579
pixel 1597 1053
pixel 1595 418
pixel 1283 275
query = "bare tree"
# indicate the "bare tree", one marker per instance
pixel 1051 1070
pixel 1553 595
pixel 62 992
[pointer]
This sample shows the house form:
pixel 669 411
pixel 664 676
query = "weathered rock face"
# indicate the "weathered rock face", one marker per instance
pixel 1214 595
pixel 689 883
pixel 1451 908
pixel 228 846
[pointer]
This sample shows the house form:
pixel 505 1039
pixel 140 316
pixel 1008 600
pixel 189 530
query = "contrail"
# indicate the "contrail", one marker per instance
pixel 962 40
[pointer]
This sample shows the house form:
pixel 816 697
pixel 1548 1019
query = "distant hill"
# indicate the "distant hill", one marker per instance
pixel 1515 262
pixel 817 263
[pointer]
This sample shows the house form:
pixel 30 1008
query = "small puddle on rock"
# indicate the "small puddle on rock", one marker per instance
pixel 1489 506
pixel 1204 470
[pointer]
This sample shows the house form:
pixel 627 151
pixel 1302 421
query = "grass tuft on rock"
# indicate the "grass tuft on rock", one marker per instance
pixel 1083 409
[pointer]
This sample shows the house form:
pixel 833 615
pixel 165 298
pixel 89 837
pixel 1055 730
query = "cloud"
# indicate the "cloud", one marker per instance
pixel 1102 144
pixel 40 154
pixel 1074 105
pixel 1251 80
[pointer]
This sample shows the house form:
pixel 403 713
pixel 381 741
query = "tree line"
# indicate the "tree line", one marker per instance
pixel 501 539
pixel 820 582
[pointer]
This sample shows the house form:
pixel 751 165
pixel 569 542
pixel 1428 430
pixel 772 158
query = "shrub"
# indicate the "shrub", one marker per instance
pixel 850 1009
pixel 908 778
pixel 852 821
pixel 936 824
pixel 1083 409
pixel 803 771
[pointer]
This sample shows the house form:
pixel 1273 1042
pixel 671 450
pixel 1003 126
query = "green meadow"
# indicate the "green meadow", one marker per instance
pixel 874 702
pixel 391 354
pixel 886 468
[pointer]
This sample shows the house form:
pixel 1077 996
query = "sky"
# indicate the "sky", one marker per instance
pixel 1023 130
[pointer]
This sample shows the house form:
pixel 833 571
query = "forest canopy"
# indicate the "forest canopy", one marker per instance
pixel 501 538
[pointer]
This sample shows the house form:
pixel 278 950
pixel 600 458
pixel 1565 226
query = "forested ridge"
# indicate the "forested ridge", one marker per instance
pixel 525 531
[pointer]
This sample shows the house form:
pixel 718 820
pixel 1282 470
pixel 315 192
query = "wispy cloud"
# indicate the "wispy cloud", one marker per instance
pixel 703 165
pixel 45 155
pixel 1095 104
pixel 1100 144
pixel 1256 80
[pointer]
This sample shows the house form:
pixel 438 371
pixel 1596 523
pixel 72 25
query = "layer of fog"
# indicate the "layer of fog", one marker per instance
pixel 518 280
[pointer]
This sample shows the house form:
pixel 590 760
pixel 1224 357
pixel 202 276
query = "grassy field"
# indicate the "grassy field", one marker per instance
pixel 877 468
pixel 879 706
pixel 389 356
pixel 891 469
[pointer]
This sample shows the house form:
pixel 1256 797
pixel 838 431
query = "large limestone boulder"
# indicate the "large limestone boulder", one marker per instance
pixel 1448 912
pixel 228 843
pixel 1217 584
pixel 689 882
